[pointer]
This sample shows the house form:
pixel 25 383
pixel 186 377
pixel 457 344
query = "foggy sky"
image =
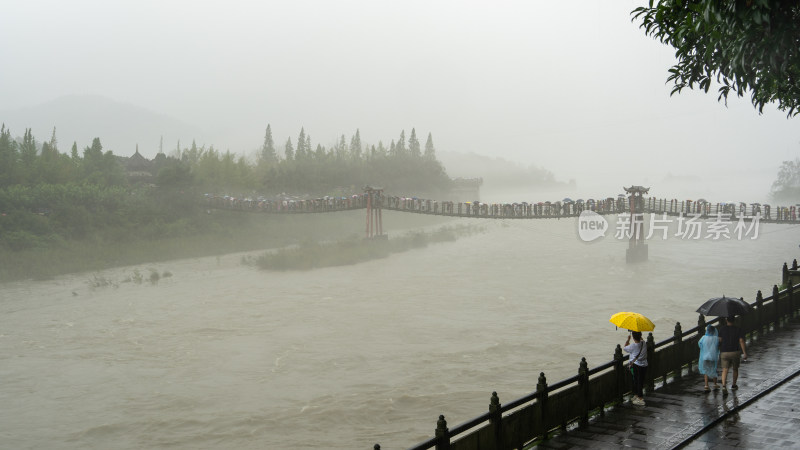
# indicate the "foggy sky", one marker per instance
pixel 574 87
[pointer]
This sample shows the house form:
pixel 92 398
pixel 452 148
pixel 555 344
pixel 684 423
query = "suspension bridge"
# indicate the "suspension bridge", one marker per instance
pixel 374 200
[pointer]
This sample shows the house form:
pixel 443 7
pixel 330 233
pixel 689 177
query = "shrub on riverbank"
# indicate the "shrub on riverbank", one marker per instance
pixel 43 216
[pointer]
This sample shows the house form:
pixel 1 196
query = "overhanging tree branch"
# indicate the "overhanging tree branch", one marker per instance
pixel 745 45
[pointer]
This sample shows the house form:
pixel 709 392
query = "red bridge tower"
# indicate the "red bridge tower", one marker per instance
pixel 374 212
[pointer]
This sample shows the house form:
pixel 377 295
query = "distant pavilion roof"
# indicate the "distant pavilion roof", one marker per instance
pixel 637 190
pixel 138 162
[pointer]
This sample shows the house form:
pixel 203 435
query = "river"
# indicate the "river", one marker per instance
pixel 223 355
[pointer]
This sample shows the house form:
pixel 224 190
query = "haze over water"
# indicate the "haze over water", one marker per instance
pixel 222 355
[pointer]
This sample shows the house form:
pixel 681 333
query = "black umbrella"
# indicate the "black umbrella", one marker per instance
pixel 724 307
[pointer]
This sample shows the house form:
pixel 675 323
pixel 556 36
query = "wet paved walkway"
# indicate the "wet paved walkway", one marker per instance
pixel 763 413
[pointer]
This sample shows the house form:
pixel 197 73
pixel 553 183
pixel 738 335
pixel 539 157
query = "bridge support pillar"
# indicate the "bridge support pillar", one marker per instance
pixel 637 249
pixel 636 253
pixel 374 213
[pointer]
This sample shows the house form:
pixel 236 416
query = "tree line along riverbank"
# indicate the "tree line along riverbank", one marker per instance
pixel 105 231
pixel 74 211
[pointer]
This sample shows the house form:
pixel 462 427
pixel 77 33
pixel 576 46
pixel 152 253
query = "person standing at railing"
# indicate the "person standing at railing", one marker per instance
pixel 637 364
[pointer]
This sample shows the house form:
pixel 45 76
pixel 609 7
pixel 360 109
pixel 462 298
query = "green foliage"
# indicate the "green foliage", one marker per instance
pixel 268 154
pixel 400 147
pixel 74 152
pixel 27 163
pixel 20 240
pixel 288 150
pixel 27 151
pixel 746 45
pixel 8 157
pixel 343 169
pixel 61 213
pixel 346 168
pixel 174 173
pixel 786 186
pixel 342 152
pixel 430 150
pixel 301 152
pixel 53 213
pixel 197 234
pixel 413 144
pixel 355 145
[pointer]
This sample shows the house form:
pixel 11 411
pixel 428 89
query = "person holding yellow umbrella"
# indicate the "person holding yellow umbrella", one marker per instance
pixel 637 350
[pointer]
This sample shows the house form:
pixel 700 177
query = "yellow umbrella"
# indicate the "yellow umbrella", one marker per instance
pixel 632 321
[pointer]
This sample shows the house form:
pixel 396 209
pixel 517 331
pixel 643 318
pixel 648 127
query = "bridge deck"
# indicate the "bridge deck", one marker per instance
pixel 555 210
pixel 700 216
pixel 763 413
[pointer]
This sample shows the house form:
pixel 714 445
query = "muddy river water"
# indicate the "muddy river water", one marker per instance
pixel 223 355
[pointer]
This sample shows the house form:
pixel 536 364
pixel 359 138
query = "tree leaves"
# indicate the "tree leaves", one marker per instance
pixel 752 45
pixel 787 185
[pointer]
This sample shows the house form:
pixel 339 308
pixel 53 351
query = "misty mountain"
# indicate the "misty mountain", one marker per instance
pixel 120 126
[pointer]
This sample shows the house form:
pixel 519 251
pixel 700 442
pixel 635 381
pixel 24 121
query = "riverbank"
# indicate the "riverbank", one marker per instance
pixel 312 255
pixel 223 232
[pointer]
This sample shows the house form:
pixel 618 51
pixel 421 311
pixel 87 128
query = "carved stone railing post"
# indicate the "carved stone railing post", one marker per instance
pixel 541 418
pixel 651 352
pixel 496 420
pixel 677 354
pixel 619 369
pixel 785 274
pixel 583 388
pixel 442 434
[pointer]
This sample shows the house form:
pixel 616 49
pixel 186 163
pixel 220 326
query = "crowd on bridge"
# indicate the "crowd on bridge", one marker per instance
pixel 610 205
pixel 510 210
pixel 562 208
pixel 286 204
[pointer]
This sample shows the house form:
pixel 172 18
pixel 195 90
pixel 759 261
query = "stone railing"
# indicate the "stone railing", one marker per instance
pixel 571 402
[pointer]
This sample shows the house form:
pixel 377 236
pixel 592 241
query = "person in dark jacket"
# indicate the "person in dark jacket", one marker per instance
pixel 732 348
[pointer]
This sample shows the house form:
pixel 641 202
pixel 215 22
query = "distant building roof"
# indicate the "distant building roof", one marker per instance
pixel 138 163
